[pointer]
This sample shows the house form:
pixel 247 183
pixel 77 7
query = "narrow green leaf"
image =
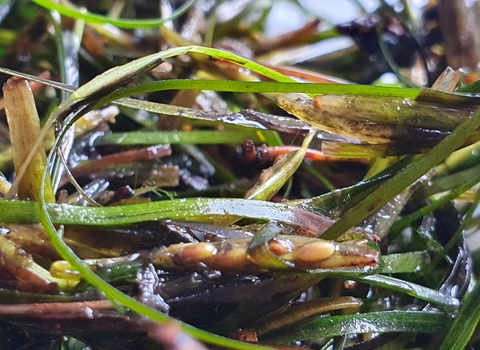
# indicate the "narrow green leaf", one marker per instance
pixel 471 88
pixel 375 322
pixel 72 12
pixel 196 137
pixel 281 86
pixel 410 288
pixel 404 263
pixel 176 209
pixel 455 181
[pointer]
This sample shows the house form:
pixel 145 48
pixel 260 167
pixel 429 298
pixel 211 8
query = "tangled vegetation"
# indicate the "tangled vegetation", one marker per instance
pixel 176 178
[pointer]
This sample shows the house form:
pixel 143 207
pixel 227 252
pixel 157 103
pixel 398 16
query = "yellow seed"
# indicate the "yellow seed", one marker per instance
pixel 63 269
pixel 315 251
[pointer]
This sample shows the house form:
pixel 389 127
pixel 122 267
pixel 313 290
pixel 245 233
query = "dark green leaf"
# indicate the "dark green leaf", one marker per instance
pixel 375 322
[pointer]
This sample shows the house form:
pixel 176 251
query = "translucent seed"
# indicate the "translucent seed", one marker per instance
pixel 315 251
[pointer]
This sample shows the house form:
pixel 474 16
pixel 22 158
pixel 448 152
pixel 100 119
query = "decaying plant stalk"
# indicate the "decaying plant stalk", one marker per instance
pixel 24 125
pixel 378 119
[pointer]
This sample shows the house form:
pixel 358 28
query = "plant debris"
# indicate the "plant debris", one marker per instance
pixel 206 178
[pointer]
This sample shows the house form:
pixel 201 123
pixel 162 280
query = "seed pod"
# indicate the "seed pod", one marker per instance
pixel 303 253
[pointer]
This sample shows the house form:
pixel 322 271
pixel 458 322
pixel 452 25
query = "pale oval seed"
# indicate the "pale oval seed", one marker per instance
pixel 315 251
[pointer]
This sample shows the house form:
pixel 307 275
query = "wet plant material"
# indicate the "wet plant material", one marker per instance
pixel 206 186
